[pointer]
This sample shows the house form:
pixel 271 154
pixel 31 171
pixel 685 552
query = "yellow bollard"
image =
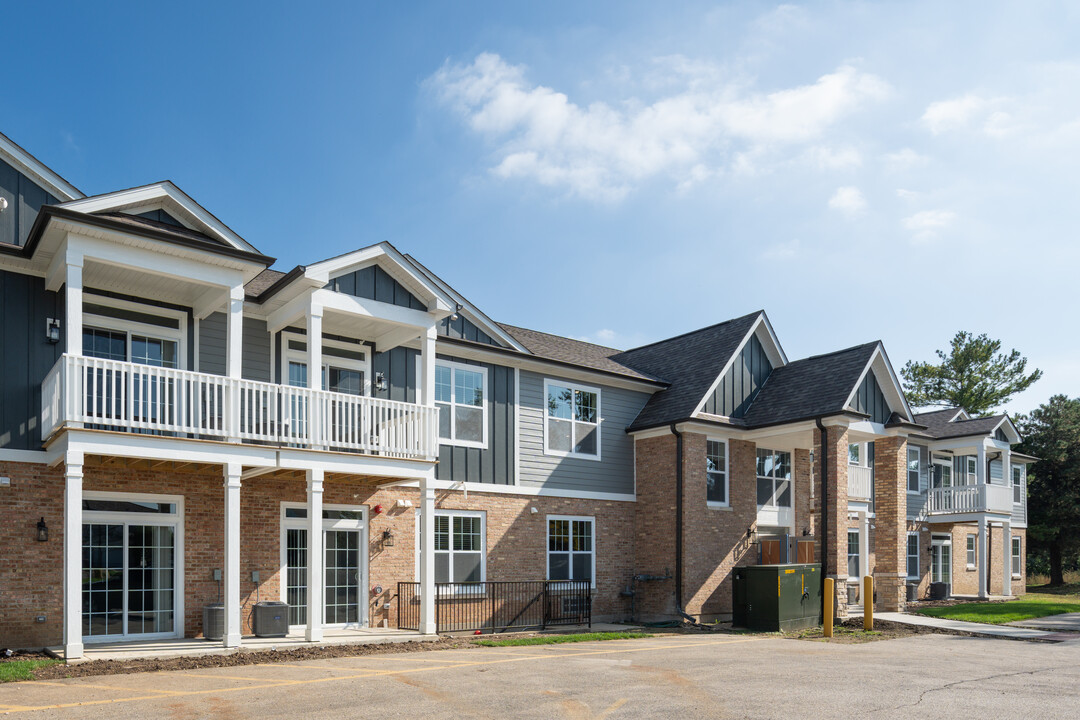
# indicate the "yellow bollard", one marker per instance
pixel 868 602
pixel 827 605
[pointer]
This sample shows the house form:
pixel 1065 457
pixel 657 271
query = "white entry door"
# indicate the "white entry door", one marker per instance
pixel 941 562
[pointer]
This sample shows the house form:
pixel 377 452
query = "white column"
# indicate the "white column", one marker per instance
pixel 864 548
pixel 427 553
pixel 314 370
pixel 73 307
pixel 314 631
pixel 980 464
pixel 73 491
pixel 234 350
pixel 983 546
pixel 232 555
pixel 427 367
pixel 1006 555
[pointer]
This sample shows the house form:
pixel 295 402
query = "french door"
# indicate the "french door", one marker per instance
pixel 344 566
pixel 941 562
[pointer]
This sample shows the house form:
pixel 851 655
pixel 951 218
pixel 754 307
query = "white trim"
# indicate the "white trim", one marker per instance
pixel 24 456
pixel 918 555
pixel 451 513
pixel 487 397
pixel 179 335
pixel 907 471
pixel 895 389
pixel 517 426
pixel 475 487
pixel 591 519
pixel 394 263
pixel 726 471
pixel 174 520
pixel 777 357
pixel 574 387
pixel 37 171
pixel 289 355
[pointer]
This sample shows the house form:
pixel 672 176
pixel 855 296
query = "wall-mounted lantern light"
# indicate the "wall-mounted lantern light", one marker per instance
pixel 751 534
pixel 52 330
pixel 42 531
pixel 380 381
pixel 387 538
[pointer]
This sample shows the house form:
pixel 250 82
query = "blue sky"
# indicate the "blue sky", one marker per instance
pixel 620 172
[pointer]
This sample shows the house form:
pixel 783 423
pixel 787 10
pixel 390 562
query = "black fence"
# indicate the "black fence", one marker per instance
pixel 499 606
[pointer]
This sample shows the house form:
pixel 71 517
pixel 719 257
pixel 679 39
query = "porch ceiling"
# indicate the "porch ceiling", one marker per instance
pixel 128 281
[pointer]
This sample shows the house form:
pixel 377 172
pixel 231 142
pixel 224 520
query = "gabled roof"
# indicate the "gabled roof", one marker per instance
pixel 690 362
pixel 812 387
pixel 262 282
pixel 33 168
pixel 958 424
pixel 166 195
pixel 574 352
pixel 937 421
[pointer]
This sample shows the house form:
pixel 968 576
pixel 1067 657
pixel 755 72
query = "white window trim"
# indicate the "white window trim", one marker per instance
pixel 547 544
pixel 1013 555
pixel 456 588
pixel 862 455
pixel 130 327
pixel 968 538
pixel 857 555
pixel 1013 483
pixel 176 521
pixel 545 417
pixel 918 557
pixel 775 480
pixel 726 471
pixel 482 369
pixel 906 471
pixel 971 470
pixel 289 355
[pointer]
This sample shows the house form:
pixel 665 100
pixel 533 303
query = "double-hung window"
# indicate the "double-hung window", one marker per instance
pixel 571 548
pixel 459 546
pixel 773 478
pixel 716 473
pixel 1018 484
pixel 972 555
pixel 913 470
pixel 1016 555
pixel 912 555
pixel 971 463
pixel 854 453
pixel 853 554
pixel 461 397
pixel 572 426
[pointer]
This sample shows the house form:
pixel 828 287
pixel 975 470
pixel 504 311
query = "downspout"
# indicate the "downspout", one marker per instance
pixel 824 502
pixel 678 517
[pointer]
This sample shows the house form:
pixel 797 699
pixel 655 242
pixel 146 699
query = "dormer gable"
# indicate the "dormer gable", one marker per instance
pixel 878 392
pixel 742 378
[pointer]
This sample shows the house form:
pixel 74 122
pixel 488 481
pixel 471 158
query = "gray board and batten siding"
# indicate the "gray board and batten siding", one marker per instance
pixel 26 356
pixel 255 353
pixel 741 383
pixel 917 503
pixel 24 200
pixel 870 400
pixel 374 283
pixel 464 329
pixel 614 473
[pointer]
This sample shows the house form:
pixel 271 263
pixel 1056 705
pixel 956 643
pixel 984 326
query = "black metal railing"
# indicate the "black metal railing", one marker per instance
pixel 499 606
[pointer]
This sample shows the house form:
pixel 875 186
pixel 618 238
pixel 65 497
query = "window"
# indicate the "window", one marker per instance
pixel 913 470
pixel 573 420
pixel 716 492
pixel 773 478
pixel 461 397
pixel 571 548
pixel 459 546
pixel 344 367
pixel 1018 484
pixel 1016 568
pixel 913 555
pixel 853 554
pixel 972 473
pixel 854 454
pixel 971 552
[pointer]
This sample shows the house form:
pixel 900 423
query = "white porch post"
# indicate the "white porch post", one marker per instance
pixel 314 365
pixel 1006 558
pixel 314 631
pixel 234 356
pixel 864 548
pixel 427 553
pixel 982 555
pixel 73 307
pixel 73 491
pixel 232 555
pixel 427 367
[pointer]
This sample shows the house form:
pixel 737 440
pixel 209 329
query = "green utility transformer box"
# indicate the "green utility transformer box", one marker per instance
pixel 773 598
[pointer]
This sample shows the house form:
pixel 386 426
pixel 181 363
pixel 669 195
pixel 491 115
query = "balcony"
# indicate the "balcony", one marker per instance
pixel 966 499
pixel 121 396
pixel 860 483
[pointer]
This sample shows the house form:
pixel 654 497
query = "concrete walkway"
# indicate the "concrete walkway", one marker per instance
pixel 1010 632
pixel 1066 622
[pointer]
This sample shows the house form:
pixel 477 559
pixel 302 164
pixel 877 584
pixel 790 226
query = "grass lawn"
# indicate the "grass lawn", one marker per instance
pixel 1038 604
pixel 13 670
pixel 553 639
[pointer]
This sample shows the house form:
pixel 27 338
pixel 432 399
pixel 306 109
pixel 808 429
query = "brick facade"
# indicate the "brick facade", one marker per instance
pixel 890 510
pixel 834 466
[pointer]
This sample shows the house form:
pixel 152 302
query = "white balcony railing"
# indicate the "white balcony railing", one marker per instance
pixel 860 482
pixel 970 499
pixel 114 395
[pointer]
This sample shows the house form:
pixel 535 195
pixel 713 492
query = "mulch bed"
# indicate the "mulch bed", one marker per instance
pixel 850 631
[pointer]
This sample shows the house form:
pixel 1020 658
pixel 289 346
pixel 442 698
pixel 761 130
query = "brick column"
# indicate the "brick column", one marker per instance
pixel 835 464
pixel 890 507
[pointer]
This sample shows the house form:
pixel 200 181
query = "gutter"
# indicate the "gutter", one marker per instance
pixel 678 517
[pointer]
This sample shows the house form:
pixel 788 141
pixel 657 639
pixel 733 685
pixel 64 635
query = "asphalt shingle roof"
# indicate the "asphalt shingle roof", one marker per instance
pixel 807 388
pixel 937 420
pixel 262 282
pixel 691 362
pixel 939 427
pixel 575 352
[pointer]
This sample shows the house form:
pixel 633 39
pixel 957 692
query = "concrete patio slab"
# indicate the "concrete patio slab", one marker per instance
pixel 985 630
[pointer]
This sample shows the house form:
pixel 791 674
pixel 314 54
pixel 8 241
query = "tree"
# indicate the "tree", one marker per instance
pixel 974 375
pixel 1052 434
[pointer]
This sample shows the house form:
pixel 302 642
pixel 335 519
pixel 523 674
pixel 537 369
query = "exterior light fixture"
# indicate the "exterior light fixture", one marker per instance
pixel 42 531
pixel 751 534
pixel 380 381
pixel 52 330
pixel 387 538
pixel 3 204
pixel 457 310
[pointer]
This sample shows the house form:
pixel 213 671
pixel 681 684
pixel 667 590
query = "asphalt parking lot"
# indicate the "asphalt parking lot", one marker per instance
pixel 926 676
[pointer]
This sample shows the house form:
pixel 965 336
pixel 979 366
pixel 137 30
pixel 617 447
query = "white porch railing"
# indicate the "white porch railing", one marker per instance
pixel 126 396
pixel 970 499
pixel 860 482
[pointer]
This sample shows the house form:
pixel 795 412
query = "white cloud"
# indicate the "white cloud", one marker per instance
pixel 827 158
pixel 782 251
pixel 926 224
pixel 954 114
pixel 602 151
pixel 907 194
pixel 848 200
pixel 904 159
